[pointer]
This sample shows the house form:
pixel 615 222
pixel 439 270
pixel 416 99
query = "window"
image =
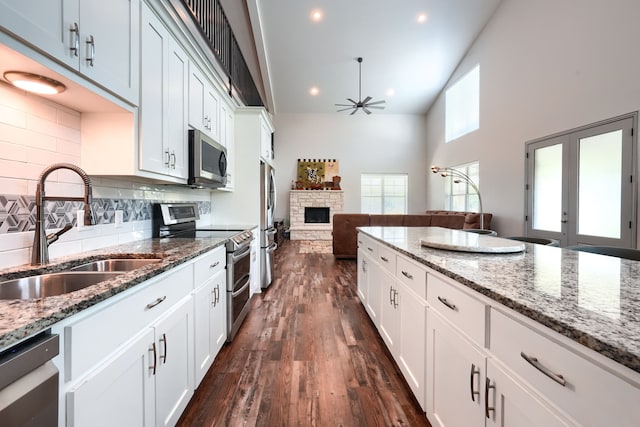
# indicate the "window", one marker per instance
pixel 462 105
pixel 460 196
pixel 383 193
pixel 580 186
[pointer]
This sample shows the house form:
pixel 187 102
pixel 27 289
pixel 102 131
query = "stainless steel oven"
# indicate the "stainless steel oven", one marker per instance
pixel 177 220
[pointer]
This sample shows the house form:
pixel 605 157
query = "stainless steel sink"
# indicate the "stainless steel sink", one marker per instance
pixel 116 264
pixel 46 285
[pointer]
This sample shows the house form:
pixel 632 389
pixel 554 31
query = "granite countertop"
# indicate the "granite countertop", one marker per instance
pixel 22 318
pixel 592 299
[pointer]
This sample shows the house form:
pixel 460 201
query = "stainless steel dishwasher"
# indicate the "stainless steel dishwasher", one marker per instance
pixel 29 383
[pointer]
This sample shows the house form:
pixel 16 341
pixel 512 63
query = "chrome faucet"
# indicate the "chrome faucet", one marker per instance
pixel 41 242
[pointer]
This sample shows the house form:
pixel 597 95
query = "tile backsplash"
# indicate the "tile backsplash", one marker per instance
pixel 35 133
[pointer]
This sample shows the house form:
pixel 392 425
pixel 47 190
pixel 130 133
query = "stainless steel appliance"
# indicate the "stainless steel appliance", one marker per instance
pixel 207 161
pixel 267 229
pixel 29 383
pixel 178 220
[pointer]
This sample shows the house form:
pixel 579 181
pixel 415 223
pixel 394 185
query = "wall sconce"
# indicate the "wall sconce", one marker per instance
pixel 34 83
pixel 461 177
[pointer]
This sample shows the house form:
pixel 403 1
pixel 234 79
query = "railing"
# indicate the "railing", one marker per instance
pixel 214 26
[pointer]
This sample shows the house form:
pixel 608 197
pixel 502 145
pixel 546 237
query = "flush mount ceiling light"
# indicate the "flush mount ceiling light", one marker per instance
pixel 34 83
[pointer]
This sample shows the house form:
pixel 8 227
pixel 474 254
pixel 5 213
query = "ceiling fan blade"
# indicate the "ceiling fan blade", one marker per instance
pixel 344 105
pixel 345 109
pixel 351 100
pixel 377 107
pixel 377 102
pixel 367 99
pixel 365 110
pixel 354 111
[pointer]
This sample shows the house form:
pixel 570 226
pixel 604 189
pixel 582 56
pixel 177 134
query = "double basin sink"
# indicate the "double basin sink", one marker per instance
pixel 72 279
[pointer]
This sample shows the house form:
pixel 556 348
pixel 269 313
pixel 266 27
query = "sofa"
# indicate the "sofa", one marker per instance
pixel 345 233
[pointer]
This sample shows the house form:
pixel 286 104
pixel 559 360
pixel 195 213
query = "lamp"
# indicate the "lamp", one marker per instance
pixel 461 177
pixel 34 83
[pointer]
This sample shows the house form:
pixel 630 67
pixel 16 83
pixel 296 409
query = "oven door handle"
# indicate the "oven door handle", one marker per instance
pixel 242 289
pixel 271 232
pixel 235 257
pixel 272 247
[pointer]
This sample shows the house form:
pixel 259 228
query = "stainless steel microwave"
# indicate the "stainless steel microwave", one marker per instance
pixel 207 161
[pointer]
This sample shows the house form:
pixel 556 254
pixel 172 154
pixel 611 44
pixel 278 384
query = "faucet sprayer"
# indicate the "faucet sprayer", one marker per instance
pixel 41 242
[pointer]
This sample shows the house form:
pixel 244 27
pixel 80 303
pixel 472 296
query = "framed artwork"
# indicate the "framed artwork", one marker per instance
pixel 316 174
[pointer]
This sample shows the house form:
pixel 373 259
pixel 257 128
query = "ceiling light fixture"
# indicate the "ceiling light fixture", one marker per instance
pixel 34 83
pixel 422 18
pixel 316 15
pixel 314 91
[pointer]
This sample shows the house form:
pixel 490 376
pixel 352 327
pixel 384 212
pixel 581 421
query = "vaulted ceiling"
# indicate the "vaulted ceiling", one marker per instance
pixel 407 60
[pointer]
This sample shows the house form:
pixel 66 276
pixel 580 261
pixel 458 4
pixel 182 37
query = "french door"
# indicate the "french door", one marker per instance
pixel 580 186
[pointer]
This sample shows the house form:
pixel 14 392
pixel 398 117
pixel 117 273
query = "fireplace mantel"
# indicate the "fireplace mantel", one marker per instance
pixel 299 199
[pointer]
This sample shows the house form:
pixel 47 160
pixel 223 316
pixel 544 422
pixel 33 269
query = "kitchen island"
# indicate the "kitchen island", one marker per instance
pixel 561 327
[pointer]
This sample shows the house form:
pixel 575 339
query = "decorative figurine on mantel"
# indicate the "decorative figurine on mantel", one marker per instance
pixel 336 183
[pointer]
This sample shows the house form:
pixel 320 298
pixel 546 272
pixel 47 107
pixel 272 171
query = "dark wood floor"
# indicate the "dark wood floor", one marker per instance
pixel 306 355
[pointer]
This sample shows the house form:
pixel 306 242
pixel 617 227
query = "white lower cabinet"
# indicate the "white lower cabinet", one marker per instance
pixel 509 403
pixel 120 392
pixel 210 301
pixel 390 312
pixel 455 376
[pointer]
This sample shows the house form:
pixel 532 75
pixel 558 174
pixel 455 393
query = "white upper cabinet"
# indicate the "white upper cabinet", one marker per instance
pixel 99 42
pixel 163 100
pixel 203 103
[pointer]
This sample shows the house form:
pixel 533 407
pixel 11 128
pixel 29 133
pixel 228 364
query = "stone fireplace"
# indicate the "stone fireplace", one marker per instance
pixel 311 213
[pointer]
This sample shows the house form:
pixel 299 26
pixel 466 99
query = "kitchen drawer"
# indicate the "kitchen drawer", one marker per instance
pixel 457 306
pixel 413 275
pixel 387 258
pixel 368 245
pixel 205 266
pixel 591 395
pixel 95 336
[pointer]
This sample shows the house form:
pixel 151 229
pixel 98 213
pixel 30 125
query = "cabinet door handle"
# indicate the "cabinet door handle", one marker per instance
pixel 407 275
pixel 163 358
pixel 156 302
pixel 364 266
pixel 75 39
pixel 395 298
pixel 540 367
pixel 488 386
pixel 173 160
pixel 447 303
pixel 384 259
pixel 155 358
pixel 474 371
pixel 91 52
pixel 217 292
pixel 168 157
pixel 391 295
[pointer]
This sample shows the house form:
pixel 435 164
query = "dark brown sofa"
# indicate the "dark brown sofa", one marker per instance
pixel 345 233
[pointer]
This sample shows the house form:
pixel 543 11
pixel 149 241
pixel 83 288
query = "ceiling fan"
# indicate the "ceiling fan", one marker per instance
pixel 365 104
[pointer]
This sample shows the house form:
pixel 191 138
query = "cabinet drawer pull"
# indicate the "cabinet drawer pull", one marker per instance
pixel 447 303
pixel 540 367
pixel 384 259
pixel 75 39
pixel 163 358
pixel 407 275
pixel 155 358
pixel 156 302
pixel 474 371
pixel 91 52
pixel 215 264
pixel 488 386
pixel 370 249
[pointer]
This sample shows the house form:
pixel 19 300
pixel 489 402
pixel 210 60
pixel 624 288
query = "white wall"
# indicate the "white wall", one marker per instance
pixel 379 143
pixel 545 66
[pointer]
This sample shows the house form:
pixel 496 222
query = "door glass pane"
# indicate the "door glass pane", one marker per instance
pixel 599 185
pixel 547 185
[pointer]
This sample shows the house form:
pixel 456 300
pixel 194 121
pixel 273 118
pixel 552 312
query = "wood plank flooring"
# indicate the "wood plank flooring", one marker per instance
pixel 306 355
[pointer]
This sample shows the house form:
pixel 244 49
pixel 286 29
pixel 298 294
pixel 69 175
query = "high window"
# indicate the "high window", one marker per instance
pixel 383 193
pixel 462 110
pixel 460 196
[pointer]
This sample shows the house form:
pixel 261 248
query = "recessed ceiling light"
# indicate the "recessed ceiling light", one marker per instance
pixel 422 18
pixel 391 91
pixel 314 91
pixel 316 15
pixel 34 83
